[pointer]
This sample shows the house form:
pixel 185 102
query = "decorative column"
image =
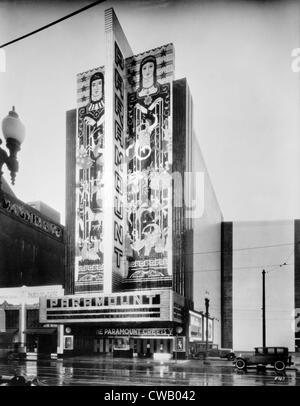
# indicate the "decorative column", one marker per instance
pixel 60 340
pixel 22 320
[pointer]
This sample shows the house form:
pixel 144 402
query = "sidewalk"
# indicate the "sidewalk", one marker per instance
pixel 183 363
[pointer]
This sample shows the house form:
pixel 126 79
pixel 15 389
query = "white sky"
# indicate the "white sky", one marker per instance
pixel 236 57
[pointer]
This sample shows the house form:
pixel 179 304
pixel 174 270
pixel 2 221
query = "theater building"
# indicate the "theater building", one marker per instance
pixel 138 201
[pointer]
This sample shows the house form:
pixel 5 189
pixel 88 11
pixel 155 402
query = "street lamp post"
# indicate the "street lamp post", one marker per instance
pixel 14 133
pixel 264 308
pixel 206 321
pixel 179 330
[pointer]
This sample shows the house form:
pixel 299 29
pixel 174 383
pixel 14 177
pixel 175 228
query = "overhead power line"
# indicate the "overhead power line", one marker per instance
pixel 95 3
pixel 241 268
pixel 285 263
pixel 239 249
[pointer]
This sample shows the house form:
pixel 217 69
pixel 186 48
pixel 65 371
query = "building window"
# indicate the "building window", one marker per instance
pixel 11 319
pixel 32 318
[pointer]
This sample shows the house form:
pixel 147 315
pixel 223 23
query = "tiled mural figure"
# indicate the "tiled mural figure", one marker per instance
pixel 89 178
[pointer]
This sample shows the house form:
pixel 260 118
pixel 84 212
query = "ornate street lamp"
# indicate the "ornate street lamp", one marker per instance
pixel 178 330
pixel 14 133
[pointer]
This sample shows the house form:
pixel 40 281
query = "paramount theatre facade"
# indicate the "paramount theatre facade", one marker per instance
pixel 129 282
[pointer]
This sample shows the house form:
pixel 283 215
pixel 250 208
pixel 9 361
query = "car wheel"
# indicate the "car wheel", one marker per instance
pixel 240 364
pixel 230 357
pixel 279 366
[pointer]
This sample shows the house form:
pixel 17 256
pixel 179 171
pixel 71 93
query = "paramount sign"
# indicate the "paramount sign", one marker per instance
pixel 103 301
pixel 135 331
pixel 124 307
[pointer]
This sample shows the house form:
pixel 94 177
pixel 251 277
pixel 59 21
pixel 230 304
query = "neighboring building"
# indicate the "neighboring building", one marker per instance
pixel 32 263
pixel 248 248
pixel 32 250
pixel 46 210
pixel 206 252
pixel 21 329
pixel 139 207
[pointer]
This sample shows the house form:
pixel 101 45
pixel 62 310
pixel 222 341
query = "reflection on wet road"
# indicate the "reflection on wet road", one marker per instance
pixel 109 371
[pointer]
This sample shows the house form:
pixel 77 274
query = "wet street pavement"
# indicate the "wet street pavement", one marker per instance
pixel 99 371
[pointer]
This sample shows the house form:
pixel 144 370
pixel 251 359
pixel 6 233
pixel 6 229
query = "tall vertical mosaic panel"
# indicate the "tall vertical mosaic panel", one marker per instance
pixel 149 167
pixel 89 181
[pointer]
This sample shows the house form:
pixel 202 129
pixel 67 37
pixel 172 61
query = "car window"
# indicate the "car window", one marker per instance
pixel 271 350
pixel 259 350
pixel 280 350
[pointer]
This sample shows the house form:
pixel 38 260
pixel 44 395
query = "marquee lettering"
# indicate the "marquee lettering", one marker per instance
pixel 119 158
pixel 103 301
pixel 119 110
pixel 119 60
pixel 118 208
pixel 119 254
pixel 118 134
pixel 119 152
pixel 119 84
pixel 118 183
pixel 118 232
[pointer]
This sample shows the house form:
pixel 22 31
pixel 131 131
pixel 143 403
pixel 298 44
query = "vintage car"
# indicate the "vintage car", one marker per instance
pixel 227 353
pixel 20 380
pixel 221 353
pixel 276 356
pixel 201 352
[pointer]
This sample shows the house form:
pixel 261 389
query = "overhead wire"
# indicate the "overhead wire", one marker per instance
pixel 240 249
pixel 44 27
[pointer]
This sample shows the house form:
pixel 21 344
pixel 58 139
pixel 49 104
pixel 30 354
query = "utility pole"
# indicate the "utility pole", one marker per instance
pixel 264 308
pixel 206 321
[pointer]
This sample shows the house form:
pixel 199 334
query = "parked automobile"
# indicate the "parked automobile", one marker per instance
pixel 222 353
pixel 215 352
pixel 20 380
pixel 276 356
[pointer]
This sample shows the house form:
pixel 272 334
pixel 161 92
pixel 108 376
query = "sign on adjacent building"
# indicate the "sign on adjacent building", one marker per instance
pixel 29 295
pixel 196 327
pixel 26 214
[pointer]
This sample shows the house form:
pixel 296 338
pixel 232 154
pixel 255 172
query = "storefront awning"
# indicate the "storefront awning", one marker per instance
pixel 38 331
pixel 8 335
pixel 10 331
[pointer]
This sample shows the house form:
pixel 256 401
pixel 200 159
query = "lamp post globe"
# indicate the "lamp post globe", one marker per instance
pixel 14 133
pixel 13 128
